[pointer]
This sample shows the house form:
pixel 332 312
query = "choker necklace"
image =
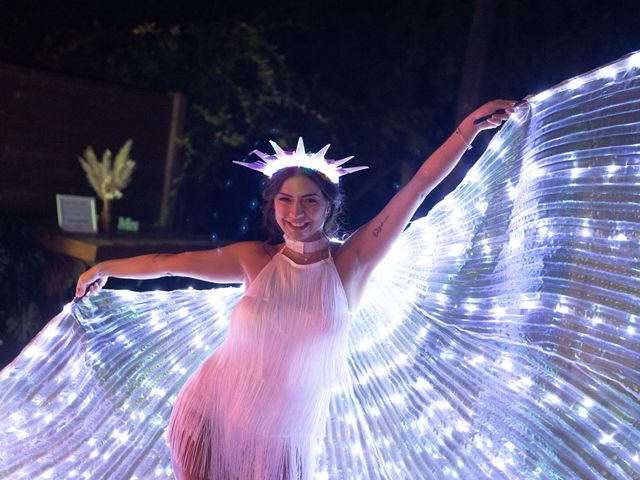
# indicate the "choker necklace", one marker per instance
pixel 306 248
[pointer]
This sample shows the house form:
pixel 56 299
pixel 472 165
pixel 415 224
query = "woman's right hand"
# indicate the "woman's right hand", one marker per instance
pixel 90 282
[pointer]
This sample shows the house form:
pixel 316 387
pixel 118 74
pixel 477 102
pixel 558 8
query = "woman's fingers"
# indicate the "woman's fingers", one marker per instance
pixel 88 284
pixel 492 114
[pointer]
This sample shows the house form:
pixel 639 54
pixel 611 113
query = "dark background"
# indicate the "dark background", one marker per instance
pixel 381 79
pixel 386 81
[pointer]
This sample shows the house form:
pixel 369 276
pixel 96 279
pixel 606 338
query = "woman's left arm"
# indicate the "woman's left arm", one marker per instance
pixel 373 240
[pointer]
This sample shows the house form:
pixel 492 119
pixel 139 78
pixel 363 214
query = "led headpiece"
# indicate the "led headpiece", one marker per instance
pixel 270 164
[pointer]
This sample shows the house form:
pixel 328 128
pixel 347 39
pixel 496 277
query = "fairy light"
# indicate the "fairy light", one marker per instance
pixel 576 83
pixel 634 60
pixel 608 72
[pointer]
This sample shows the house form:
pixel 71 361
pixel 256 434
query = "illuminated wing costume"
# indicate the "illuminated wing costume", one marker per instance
pixel 499 339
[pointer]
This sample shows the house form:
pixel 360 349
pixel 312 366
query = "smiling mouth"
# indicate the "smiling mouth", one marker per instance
pixel 298 225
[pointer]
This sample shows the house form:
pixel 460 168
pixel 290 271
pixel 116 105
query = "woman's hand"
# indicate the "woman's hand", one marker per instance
pixel 90 282
pixel 489 115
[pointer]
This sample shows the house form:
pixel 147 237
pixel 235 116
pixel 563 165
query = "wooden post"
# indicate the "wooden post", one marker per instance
pixel 172 162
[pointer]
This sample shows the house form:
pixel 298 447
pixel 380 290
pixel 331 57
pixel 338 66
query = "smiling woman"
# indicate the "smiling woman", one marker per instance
pixel 286 347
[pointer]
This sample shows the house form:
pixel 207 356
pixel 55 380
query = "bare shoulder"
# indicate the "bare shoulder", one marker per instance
pixel 254 256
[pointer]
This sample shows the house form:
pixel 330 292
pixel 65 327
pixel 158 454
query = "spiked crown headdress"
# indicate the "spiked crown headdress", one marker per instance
pixel 270 164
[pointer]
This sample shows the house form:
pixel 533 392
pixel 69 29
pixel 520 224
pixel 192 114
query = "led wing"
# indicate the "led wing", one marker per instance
pixel 500 338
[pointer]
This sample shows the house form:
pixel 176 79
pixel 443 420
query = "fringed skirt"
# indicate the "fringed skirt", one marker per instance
pixel 229 427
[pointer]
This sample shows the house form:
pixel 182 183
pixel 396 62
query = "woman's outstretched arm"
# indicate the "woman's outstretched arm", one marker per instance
pixel 221 265
pixel 369 244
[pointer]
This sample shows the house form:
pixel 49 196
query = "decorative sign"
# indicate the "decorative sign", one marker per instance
pixel 127 224
pixel 76 214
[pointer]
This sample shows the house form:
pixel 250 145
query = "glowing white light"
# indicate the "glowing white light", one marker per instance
pixel 498 312
pixel 532 172
pixel 576 83
pixel 478 359
pixel 607 438
pixel 506 364
pixel 401 359
pixel 462 426
pixel 472 175
pixel 496 143
pixel 542 96
pixel 499 463
pixel 16 417
pixel 515 241
pixel 158 392
pixel 126 295
pixel 32 351
pixel 457 249
pixel 552 398
pixel 634 60
pixel 50 332
pixel 422 384
pixel 470 307
pixel 608 72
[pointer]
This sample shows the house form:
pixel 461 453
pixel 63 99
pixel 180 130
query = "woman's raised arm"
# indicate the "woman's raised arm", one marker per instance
pixel 371 242
pixel 221 265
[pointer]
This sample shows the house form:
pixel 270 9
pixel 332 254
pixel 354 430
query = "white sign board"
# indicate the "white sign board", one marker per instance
pixel 77 214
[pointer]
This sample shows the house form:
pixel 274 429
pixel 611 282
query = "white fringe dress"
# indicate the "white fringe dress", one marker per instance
pixel 257 407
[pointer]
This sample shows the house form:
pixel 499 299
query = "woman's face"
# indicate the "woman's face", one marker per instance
pixel 300 209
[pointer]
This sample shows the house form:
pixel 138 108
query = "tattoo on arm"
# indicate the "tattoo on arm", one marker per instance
pixel 378 229
pixel 157 257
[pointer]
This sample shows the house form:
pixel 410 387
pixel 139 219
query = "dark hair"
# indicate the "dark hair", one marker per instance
pixel 330 191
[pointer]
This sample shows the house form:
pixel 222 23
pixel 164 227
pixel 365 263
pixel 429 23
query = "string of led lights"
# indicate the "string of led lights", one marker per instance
pixel 498 339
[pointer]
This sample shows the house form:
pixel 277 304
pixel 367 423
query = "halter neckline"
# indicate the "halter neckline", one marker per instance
pixel 306 248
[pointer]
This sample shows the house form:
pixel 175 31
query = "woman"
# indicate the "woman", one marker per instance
pixel 257 406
